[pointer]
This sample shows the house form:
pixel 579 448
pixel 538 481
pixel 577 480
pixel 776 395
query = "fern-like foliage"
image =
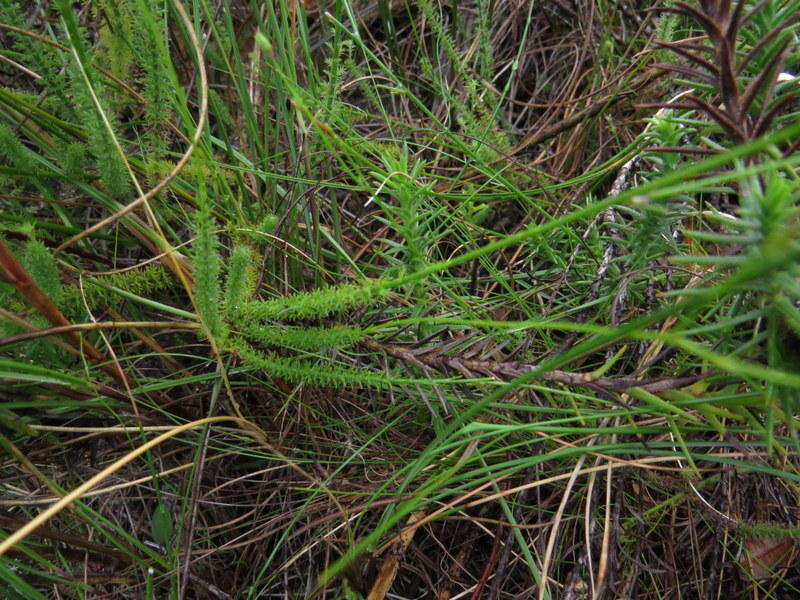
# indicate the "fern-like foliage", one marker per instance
pixel 134 43
pixel 87 93
pixel 41 266
pixel 43 59
pixel 150 44
pixel 404 212
pixel 305 371
pixel 652 224
pixel 237 283
pixel 106 158
pixel 12 151
pixel 302 338
pixel 207 266
pixel 99 291
pixel 317 304
pixel 38 261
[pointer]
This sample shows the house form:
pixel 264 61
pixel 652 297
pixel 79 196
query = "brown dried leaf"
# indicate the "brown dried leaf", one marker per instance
pixel 764 556
pixel 391 564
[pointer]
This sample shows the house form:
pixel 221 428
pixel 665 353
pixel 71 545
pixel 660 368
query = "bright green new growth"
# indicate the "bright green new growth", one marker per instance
pixel 665 31
pixel 106 158
pixel 305 371
pixel 302 338
pixel 12 150
pixel 237 285
pixel 134 43
pixel 207 266
pixel 150 42
pixel 97 291
pixel 317 304
pixel 41 266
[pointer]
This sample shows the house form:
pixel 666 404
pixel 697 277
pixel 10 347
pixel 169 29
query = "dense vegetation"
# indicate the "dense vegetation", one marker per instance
pixel 399 298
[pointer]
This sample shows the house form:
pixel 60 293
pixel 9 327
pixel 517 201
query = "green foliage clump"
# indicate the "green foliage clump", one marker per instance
pixel 134 43
pixel 74 161
pixel 43 59
pixel 313 305
pixel 303 338
pixel 238 282
pixel 192 173
pixel 649 229
pixel 144 282
pixel 207 266
pixel 153 56
pixel 305 371
pixel 107 160
pixel 665 32
pixel 405 214
pixel 12 150
pixel 41 266
pixel 115 33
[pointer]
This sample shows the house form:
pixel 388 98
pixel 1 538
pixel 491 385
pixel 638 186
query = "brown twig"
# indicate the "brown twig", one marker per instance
pixel 434 359
pixel 491 563
pixel 40 333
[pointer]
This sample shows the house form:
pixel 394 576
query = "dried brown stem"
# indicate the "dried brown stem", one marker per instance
pixel 433 359
pixel 64 329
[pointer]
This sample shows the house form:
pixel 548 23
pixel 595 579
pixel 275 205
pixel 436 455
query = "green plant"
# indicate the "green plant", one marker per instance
pixel 328 283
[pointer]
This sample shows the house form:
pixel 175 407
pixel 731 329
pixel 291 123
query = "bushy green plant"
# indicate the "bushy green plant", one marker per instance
pixel 313 305
pixel 208 294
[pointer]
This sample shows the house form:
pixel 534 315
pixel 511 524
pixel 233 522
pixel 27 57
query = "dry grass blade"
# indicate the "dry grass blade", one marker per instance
pixel 55 508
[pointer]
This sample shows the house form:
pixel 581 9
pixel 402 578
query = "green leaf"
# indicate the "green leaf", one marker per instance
pixel 18 586
pixel 15 370
pixel 162 525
